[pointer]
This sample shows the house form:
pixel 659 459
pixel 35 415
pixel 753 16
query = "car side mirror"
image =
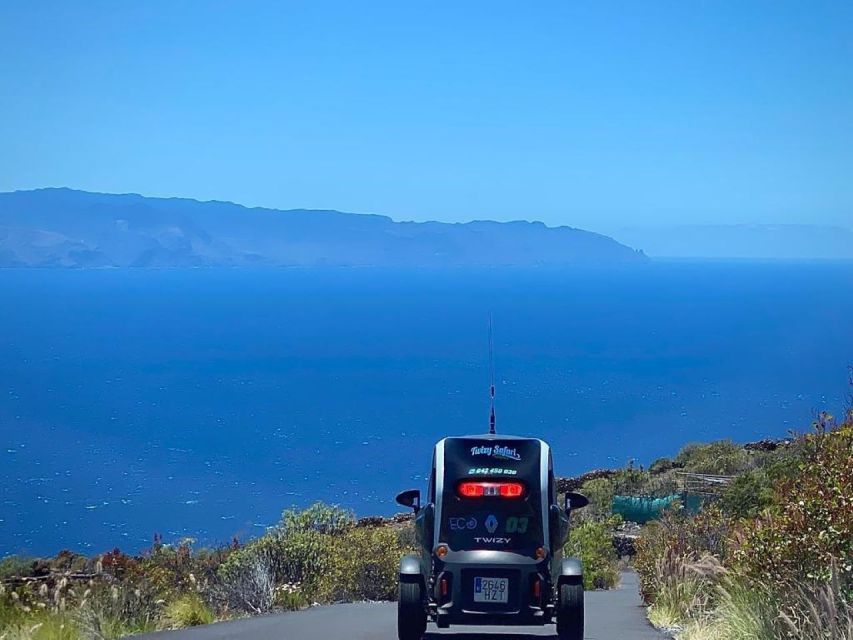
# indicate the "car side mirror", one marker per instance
pixel 575 501
pixel 411 499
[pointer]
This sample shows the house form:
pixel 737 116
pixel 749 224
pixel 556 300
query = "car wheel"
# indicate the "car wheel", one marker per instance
pixel 570 612
pixel 411 615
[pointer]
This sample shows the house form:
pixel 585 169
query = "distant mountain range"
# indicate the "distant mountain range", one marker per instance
pixel 68 228
pixel 752 241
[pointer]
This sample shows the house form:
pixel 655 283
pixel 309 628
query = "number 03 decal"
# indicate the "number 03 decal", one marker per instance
pixel 516 525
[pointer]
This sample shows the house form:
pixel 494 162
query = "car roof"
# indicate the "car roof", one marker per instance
pixel 492 436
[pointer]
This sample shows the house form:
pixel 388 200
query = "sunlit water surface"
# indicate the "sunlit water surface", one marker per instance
pixel 203 402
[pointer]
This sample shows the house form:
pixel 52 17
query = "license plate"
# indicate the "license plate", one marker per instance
pixel 491 589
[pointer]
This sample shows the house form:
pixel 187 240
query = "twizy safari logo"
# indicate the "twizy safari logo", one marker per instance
pixel 499 451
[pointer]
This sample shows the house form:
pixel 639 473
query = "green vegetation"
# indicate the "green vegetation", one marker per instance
pixel 592 542
pixel 362 566
pixel 187 610
pixel 773 557
pixel 317 555
pixel 320 554
pixel 769 557
pixel 40 625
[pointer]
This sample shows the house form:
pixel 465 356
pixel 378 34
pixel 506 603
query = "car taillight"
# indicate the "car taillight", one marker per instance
pixel 491 489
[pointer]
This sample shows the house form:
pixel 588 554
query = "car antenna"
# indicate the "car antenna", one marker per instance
pixel 491 380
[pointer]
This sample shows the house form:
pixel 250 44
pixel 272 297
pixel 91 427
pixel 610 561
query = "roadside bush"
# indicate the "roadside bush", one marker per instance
pixel 745 609
pixel 783 530
pixel 247 580
pixel 683 590
pixel 299 547
pixel 297 552
pixel 817 610
pixel 592 542
pixel 176 569
pixel 363 565
pixel 747 623
pixel 9 613
pixel 679 536
pixel 316 555
pixel 406 536
pixel 320 518
pixel 290 597
pixel 296 556
pixel 811 524
pixel 43 625
pixel 188 610
pixel 108 612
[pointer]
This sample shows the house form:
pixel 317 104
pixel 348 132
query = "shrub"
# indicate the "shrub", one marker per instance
pixel 290 597
pixel 44 625
pixel 600 493
pixel 723 457
pixel 363 565
pixel 592 542
pixel 13 566
pixel 298 551
pixel 299 547
pixel 314 555
pixel 117 563
pixel 784 530
pixel 298 556
pixel 68 561
pixel 113 611
pixel 319 518
pixel 406 536
pixel 631 480
pixel 247 580
pixel 684 588
pixel 679 536
pixel 811 524
pixel 745 609
pixel 818 610
pixel 747 496
pixel 188 610
pixel 661 465
pixel 676 602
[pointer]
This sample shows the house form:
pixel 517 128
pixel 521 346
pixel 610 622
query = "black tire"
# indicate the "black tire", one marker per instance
pixel 570 611
pixel 411 615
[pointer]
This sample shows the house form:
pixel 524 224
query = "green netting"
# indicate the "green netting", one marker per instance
pixel 641 509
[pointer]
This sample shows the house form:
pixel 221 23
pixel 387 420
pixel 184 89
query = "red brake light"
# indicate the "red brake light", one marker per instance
pixel 471 489
pixel 491 489
pixel 511 490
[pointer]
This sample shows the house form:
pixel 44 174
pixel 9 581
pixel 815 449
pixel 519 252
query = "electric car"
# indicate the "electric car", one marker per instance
pixel 490 535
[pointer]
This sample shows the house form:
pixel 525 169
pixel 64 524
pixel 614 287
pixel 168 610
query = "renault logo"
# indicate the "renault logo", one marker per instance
pixel 491 524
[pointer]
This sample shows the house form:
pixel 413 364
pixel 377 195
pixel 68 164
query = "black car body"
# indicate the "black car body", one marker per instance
pixel 490 538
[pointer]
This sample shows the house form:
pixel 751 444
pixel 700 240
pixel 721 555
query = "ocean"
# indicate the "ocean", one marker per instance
pixel 202 403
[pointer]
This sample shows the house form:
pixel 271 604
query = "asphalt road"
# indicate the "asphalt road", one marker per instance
pixel 610 615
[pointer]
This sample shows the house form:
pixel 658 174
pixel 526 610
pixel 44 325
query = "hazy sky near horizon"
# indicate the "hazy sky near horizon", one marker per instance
pixel 594 114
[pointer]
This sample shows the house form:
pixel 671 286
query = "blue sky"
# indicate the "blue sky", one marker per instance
pixel 592 114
